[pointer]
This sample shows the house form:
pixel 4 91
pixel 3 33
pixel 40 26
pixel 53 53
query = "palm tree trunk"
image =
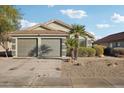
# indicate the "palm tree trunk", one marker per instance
pixel 76 48
pixel 76 53
pixel 6 52
pixel 72 55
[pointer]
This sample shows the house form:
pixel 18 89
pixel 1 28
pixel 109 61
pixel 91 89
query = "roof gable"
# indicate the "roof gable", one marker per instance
pixel 57 26
pixel 51 25
pixel 38 27
pixel 59 22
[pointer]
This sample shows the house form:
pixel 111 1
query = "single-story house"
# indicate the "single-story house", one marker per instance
pixel 45 39
pixel 112 41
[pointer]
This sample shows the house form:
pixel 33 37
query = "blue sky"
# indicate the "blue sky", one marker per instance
pixel 99 20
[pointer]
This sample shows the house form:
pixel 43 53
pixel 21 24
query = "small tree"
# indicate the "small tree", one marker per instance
pixel 9 21
pixel 4 38
pixel 71 44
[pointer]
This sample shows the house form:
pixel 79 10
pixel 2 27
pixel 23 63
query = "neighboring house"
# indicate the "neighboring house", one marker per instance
pixel 114 40
pixel 46 39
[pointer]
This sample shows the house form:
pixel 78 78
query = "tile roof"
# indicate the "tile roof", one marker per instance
pixel 112 38
pixel 39 32
pixel 45 25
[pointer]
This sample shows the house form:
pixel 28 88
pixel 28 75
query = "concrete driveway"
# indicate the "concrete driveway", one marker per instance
pixel 48 73
pixel 26 72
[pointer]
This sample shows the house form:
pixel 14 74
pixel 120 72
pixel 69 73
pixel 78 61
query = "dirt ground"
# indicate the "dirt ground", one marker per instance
pixel 42 73
pixel 97 67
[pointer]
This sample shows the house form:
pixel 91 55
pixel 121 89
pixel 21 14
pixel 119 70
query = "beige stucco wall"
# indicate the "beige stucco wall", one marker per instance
pixel 58 27
pixel 89 42
pixel 10 46
pixel 1 48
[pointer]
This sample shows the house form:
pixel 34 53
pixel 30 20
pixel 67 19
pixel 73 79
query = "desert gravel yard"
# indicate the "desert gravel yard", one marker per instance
pixel 33 72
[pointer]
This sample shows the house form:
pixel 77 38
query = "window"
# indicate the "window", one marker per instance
pixel 13 47
pixel 118 44
pixel 82 42
pixel 110 45
pixel 13 41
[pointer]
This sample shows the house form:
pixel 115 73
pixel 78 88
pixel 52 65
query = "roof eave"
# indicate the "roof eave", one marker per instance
pixel 39 34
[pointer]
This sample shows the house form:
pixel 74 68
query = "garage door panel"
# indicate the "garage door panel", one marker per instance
pixel 27 47
pixel 51 47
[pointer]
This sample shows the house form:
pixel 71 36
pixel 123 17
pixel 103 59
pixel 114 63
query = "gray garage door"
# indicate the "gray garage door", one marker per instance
pixel 27 47
pixel 51 47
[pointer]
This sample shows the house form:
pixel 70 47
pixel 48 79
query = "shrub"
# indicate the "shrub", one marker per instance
pixel 86 52
pixel 118 51
pixel 91 52
pixel 99 50
pixel 82 52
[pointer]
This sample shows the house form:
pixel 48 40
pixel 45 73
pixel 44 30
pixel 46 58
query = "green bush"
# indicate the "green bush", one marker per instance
pixel 118 51
pixel 86 52
pixel 91 52
pixel 99 50
pixel 82 52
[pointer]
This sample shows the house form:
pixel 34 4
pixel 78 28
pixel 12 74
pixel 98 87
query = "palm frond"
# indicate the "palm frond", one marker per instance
pixel 71 43
pixel 79 29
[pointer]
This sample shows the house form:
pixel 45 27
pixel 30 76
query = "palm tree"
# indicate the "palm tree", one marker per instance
pixel 71 44
pixel 76 31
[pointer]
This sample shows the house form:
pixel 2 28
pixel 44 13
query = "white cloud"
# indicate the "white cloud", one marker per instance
pixel 50 6
pixel 74 13
pixel 92 33
pixel 98 37
pixel 26 23
pixel 101 26
pixel 117 18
